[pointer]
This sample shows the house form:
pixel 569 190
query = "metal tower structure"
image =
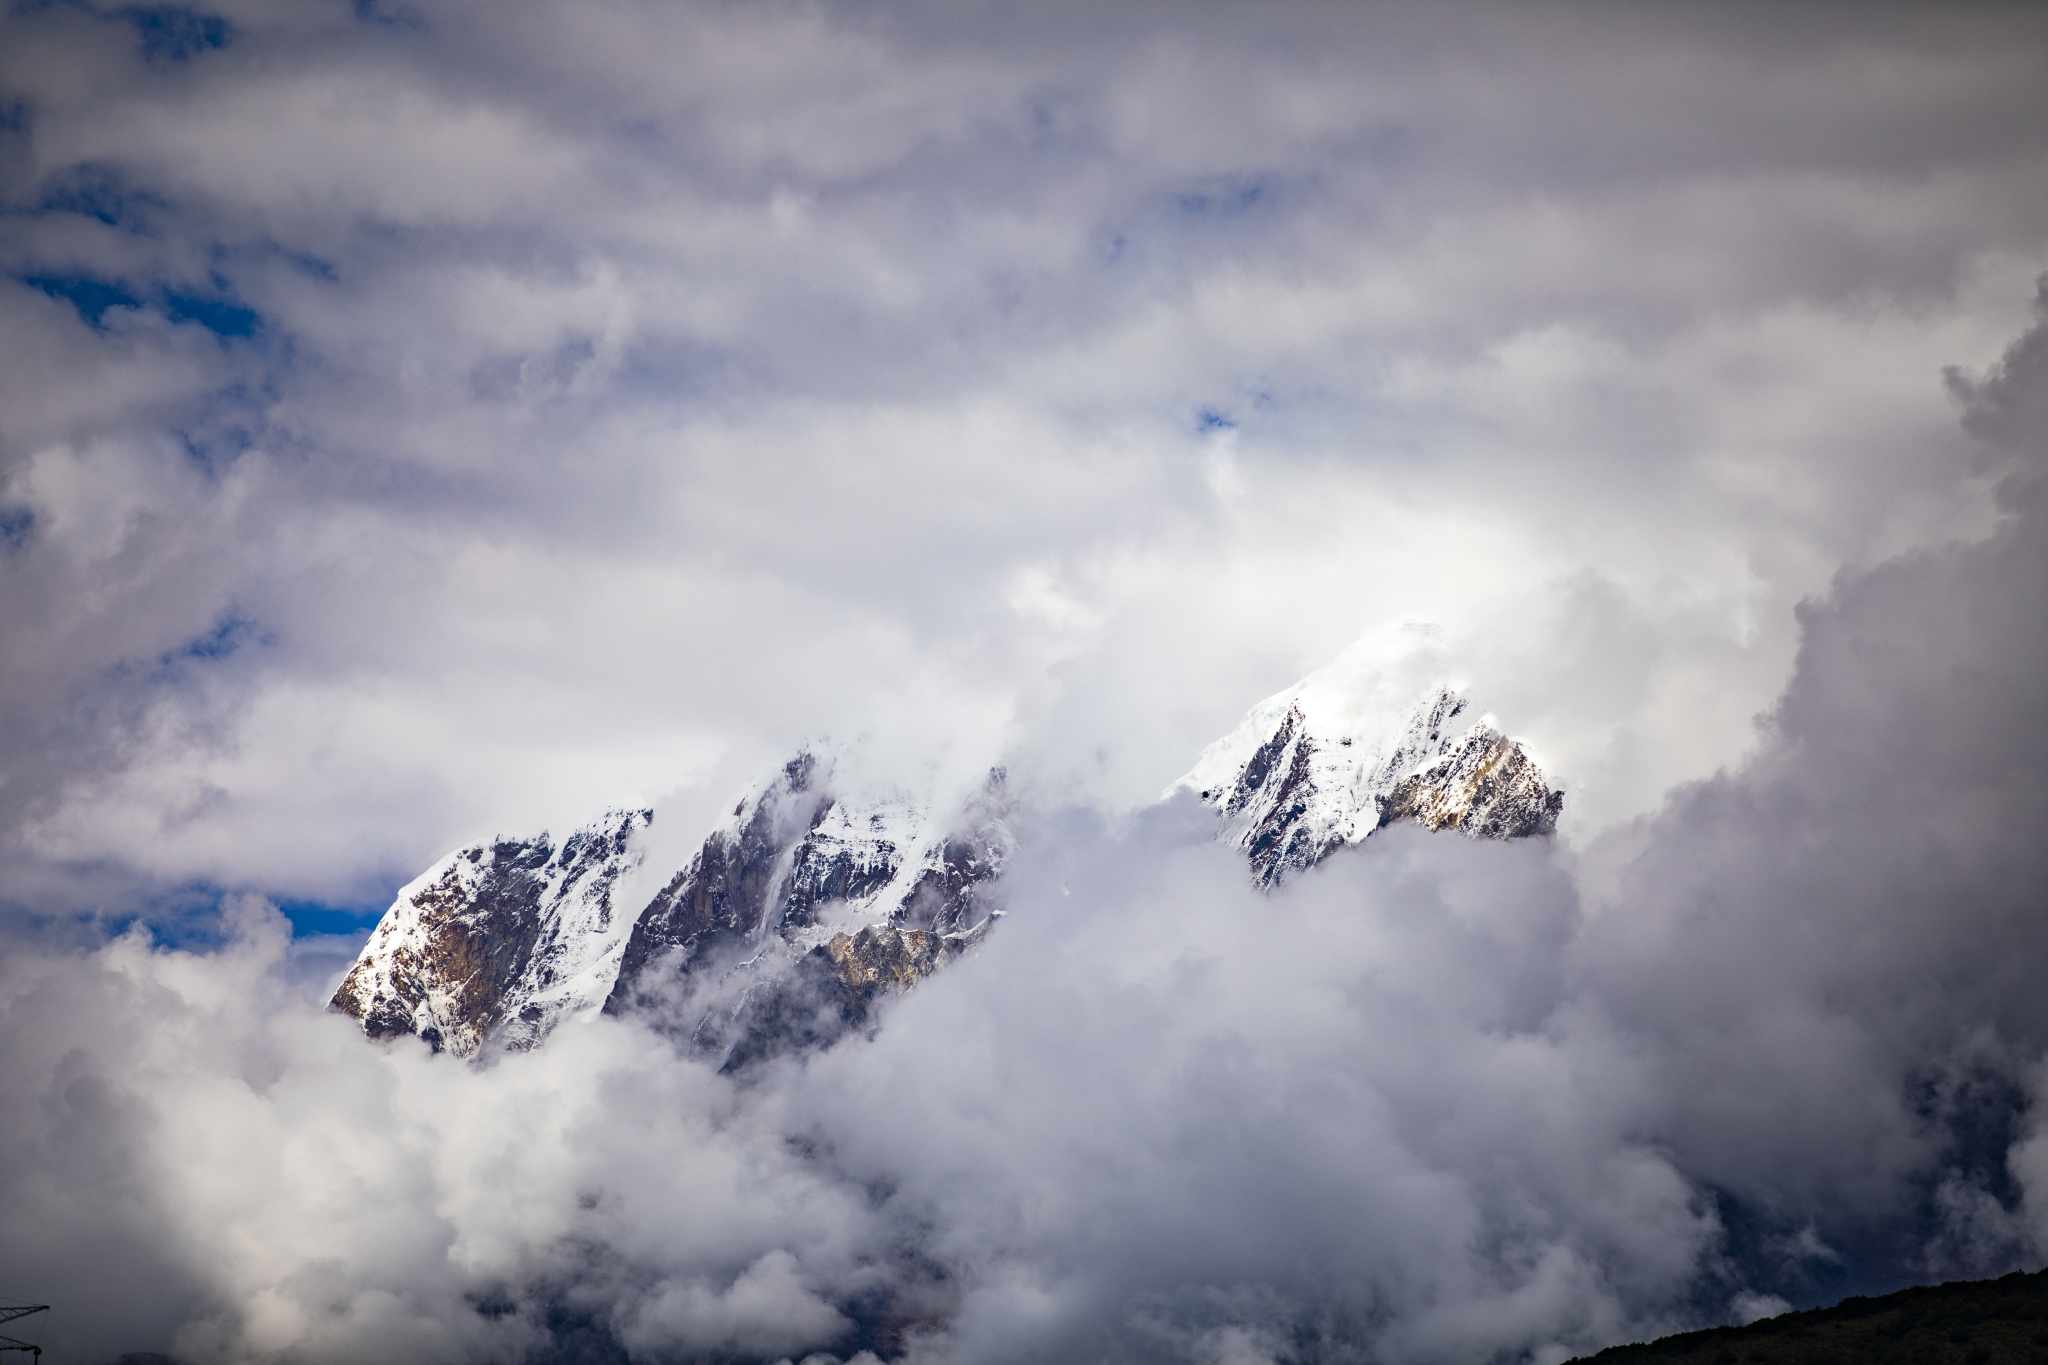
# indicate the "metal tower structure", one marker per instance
pixel 9 1315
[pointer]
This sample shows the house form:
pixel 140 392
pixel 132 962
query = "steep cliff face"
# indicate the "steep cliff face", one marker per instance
pixel 786 1000
pixel 1311 769
pixel 721 898
pixel 1486 787
pixel 804 906
pixel 498 941
pixel 817 897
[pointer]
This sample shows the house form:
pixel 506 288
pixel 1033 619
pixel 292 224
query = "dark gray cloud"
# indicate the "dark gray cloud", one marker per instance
pixel 1833 946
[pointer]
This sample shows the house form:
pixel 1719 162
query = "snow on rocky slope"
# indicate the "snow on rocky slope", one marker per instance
pixel 500 940
pixel 1319 766
pixel 796 912
pixel 805 904
pixel 817 896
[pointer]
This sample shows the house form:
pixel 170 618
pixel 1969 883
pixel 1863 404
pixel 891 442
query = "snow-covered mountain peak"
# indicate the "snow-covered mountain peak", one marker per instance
pixel 1340 754
pixel 500 939
pixel 803 859
pixel 499 942
pixel 828 883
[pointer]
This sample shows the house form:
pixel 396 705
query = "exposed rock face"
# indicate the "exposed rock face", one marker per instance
pixel 1310 771
pixel 881 957
pixel 746 931
pixel 800 862
pixel 1486 787
pixel 828 992
pixel 496 942
pixel 722 896
pixel 809 904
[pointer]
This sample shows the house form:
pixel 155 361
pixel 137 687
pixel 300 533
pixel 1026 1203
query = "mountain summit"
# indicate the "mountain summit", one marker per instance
pixel 814 899
pixel 1309 770
pixel 499 940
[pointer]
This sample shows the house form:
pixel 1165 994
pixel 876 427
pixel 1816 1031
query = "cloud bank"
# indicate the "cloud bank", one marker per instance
pixel 418 420
pixel 421 421
pixel 1436 1100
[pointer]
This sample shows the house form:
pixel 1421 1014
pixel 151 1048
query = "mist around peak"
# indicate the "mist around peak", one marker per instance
pixel 1423 1102
pixel 421 418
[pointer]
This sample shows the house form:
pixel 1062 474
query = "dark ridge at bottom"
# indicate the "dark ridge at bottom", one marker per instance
pixel 1970 1322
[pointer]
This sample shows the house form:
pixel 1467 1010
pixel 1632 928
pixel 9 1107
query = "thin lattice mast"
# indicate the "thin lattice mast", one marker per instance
pixel 21 1311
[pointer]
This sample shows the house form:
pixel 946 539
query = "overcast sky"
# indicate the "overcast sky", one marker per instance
pixel 428 421
pixel 419 420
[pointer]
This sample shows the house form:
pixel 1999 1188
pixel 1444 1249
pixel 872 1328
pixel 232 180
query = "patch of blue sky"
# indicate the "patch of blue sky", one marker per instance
pixel 192 918
pixel 1214 419
pixel 92 298
pixel 93 191
pixel 16 524
pixel 307 264
pixel 213 450
pixel 177 33
pixel 219 312
pixel 186 918
pixel 230 633
pixel 219 315
pixel 312 919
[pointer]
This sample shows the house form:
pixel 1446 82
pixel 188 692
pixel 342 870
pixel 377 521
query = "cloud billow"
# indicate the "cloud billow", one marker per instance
pixel 1433 1101
pixel 422 421
pixel 554 393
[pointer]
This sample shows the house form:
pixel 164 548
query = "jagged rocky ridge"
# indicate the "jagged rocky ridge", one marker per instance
pixel 803 907
pixel 499 940
pixel 807 905
pixel 793 916
pixel 1308 772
